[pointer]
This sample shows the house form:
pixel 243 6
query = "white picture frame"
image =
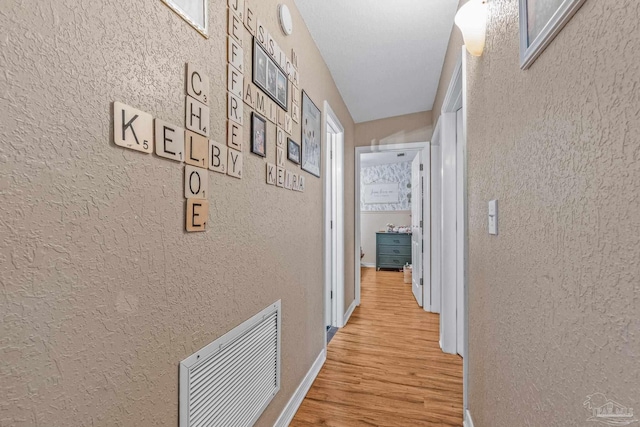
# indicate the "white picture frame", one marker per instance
pixel 382 193
pixel 532 47
pixel 194 12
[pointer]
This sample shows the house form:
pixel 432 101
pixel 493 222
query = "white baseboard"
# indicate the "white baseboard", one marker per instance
pixel 294 403
pixel 368 264
pixel 468 422
pixel 349 312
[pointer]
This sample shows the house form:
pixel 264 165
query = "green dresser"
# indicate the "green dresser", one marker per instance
pixel 393 250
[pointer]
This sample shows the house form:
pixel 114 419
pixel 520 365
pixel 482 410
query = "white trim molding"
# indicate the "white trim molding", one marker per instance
pixel 294 403
pixel 349 312
pixel 453 98
pixel 465 356
pixel 468 422
pixel 334 259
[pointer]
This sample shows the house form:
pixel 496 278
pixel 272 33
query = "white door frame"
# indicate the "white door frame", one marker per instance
pixel 426 209
pixel 455 99
pixel 334 216
pixel 417 229
pixel 432 304
pixel 465 207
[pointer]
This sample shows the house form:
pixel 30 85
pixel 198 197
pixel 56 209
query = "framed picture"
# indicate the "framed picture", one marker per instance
pixel 258 135
pixel 269 77
pixel 293 151
pixel 194 12
pixel 311 136
pixel 540 23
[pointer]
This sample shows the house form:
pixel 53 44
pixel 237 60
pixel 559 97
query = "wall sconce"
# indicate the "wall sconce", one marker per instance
pixel 472 21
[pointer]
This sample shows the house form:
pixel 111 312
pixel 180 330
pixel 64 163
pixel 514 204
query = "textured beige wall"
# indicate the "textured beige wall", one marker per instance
pixel 372 222
pixel 554 299
pixel 415 127
pixel 102 293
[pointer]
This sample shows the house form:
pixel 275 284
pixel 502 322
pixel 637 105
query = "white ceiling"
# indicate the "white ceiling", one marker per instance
pixel 386 158
pixel 385 55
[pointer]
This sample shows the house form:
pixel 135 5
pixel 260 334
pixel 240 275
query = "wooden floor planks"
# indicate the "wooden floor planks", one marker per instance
pixel 385 368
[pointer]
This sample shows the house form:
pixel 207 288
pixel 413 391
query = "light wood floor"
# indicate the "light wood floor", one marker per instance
pixel 385 368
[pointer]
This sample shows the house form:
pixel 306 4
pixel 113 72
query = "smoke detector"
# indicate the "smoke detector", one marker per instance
pixel 286 21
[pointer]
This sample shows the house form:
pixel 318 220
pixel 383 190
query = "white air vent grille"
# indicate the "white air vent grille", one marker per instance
pixel 233 379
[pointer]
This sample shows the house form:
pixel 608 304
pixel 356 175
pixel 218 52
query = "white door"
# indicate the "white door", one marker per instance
pixel 448 271
pixel 330 244
pixel 460 234
pixel 416 228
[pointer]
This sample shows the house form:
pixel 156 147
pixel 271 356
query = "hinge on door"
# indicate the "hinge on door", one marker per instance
pixel 331 294
pixel 421 224
pixel 421 167
pixel 332 225
pixel 421 283
pixel 331 154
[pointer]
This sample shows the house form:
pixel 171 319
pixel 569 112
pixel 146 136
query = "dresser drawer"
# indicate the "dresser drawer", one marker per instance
pixel 394 239
pixel 390 261
pixel 394 250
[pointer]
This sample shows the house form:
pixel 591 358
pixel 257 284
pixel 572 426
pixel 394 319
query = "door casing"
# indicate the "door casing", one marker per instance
pixel 424 147
pixel 333 218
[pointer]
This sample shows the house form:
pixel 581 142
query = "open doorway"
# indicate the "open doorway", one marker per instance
pixel 334 222
pixel 392 207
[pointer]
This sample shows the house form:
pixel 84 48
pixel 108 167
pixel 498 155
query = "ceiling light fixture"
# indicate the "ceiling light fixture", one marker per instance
pixel 286 21
pixel 472 21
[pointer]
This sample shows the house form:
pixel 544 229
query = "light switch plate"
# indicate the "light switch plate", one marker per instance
pixel 493 217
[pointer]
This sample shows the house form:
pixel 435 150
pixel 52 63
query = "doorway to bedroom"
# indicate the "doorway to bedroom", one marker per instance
pixel 390 208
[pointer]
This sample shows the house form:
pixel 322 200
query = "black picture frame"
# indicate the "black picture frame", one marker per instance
pixel 294 153
pixel 311 136
pixel 258 134
pixel 269 77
